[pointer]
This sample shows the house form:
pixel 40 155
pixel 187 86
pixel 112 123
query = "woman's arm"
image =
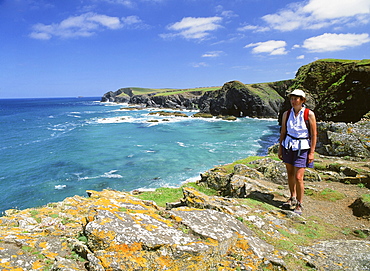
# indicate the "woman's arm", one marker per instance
pixel 282 135
pixel 313 135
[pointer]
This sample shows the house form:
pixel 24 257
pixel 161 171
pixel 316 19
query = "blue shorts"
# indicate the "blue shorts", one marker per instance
pixel 291 157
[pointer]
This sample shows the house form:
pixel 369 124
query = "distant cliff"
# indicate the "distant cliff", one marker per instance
pixel 240 100
pixel 233 99
pixel 337 90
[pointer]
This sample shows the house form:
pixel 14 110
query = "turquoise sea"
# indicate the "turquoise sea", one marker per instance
pixel 51 149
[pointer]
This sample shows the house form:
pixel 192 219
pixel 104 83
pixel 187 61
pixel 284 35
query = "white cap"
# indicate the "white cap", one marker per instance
pixel 297 92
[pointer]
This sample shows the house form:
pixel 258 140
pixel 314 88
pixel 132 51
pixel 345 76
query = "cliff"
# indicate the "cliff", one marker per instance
pixel 232 99
pixel 336 89
pixel 239 100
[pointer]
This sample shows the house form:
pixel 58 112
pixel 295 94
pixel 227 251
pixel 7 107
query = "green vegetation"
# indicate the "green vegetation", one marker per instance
pixel 358 62
pixel 256 204
pixel 141 91
pixel 327 194
pixel 182 91
pixel 202 115
pixel 264 91
pixel 360 234
pixel 228 168
pixel 366 198
pixel 164 91
pixel 164 194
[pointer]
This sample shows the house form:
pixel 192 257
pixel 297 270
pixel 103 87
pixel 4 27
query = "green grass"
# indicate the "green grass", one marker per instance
pixel 256 204
pixel 230 167
pixel 326 194
pixel 181 91
pixel 141 91
pixel 366 198
pixel 358 62
pixel 264 91
pixel 164 194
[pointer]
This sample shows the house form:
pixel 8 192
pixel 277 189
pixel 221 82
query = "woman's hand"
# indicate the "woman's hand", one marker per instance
pixel 311 157
pixel 280 153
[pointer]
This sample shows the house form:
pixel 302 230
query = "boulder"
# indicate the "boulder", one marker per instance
pixel 338 255
pixel 361 207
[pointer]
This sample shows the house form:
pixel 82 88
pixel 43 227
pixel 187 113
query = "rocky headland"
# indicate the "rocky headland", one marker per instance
pixel 337 91
pixel 236 222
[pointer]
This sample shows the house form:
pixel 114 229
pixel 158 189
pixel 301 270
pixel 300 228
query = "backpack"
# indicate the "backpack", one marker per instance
pixel 305 117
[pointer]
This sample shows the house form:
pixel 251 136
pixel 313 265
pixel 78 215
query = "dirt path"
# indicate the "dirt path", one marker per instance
pixel 337 212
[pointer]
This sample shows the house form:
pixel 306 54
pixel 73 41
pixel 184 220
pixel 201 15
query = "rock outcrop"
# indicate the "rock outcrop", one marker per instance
pixel 240 100
pixel 233 99
pixel 344 139
pixel 111 230
pixel 337 89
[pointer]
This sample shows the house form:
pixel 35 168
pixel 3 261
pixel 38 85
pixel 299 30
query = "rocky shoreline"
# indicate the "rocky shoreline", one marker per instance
pixel 241 228
pixel 240 225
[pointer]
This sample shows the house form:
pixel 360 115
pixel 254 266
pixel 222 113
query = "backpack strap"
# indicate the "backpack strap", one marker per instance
pixel 287 117
pixel 305 117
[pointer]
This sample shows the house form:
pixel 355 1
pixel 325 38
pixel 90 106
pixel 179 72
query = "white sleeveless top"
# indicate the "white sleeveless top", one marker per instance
pixel 297 137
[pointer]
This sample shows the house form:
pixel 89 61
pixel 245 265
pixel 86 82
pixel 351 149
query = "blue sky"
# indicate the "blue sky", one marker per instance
pixel 88 47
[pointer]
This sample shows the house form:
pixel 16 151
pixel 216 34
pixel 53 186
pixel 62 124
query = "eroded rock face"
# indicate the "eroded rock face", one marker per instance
pixel 336 88
pixel 119 232
pixel 240 100
pixel 344 139
pixel 338 255
pixel 111 230
pixel 244 180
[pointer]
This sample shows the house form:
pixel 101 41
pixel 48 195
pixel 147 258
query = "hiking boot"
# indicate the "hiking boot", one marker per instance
pixel 291 203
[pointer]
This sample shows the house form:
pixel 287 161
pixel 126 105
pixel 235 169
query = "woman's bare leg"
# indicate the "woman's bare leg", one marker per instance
pixel 291 179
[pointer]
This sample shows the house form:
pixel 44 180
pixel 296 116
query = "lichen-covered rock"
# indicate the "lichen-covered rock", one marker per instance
pixel 216 179
pixel 272 170
pixel 341 139
pixel 111 230
pixel 338 255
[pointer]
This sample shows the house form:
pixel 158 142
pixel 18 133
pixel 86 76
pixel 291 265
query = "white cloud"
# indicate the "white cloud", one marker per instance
pixel 84 25
pixel 200 64
pixel 129 20
pixel 334 42
pixel 317 14
pixel 300 57
pixel 254 28
pixel 331 9
pixel 272 47
pixel 213 54
pixel 194 28
pixel 225 13
pixel 129 3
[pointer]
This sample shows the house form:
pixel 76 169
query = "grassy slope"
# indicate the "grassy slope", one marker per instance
pixel 261 89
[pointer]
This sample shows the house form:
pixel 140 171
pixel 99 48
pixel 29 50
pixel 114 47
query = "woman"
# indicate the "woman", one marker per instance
pixel 297 146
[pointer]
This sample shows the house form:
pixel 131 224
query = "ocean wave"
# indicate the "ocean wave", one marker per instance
pixel 116 120
pixel 155 120
pixel 110 174
pixel 181 144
